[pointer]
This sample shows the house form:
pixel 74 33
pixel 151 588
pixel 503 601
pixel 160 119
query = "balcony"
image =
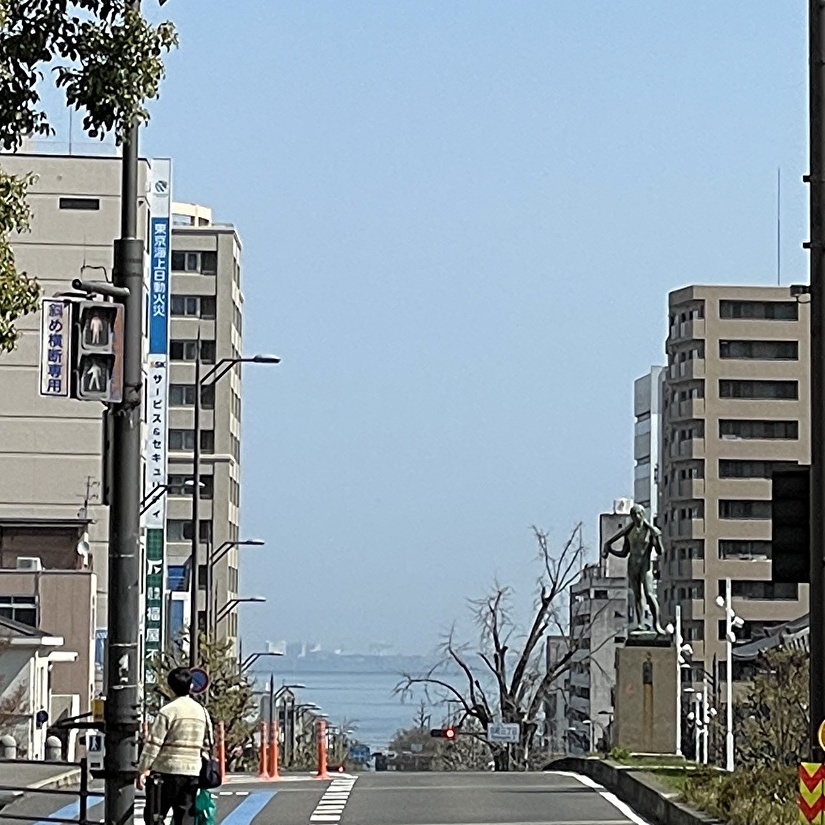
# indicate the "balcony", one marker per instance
pixel 685 410
pixel 686 331
pixel 686 370
pixel 690 448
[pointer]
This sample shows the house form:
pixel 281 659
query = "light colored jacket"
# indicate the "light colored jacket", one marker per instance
pixel 178 739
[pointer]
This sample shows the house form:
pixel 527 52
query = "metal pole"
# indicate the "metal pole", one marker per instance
pixel 209 577
pixel 122 718
pixel 816 65
pixel 194 582
pixel 729 686
pixel 696 733
pixel 705 724
pixel 678 680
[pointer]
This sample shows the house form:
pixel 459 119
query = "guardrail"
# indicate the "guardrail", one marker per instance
pixel 82 793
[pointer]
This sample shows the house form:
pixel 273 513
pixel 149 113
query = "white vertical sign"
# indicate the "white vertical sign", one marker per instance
pixel 55 348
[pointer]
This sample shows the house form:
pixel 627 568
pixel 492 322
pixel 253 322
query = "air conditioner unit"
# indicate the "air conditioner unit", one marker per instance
pixel 29 563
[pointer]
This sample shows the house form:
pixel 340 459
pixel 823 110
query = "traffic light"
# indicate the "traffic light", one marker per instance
pixel 791 525
pixel 443 733
pixel 98 351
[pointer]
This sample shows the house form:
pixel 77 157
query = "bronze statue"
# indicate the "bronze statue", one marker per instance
pixel 640 539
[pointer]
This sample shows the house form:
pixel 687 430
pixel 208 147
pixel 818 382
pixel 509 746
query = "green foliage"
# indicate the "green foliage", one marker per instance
pixel 229 698
pixel 773 715
pixel 19 294
pixel 759 796
pixel 416 750
pixel 108 59
pixel 106 56
pixel 619 754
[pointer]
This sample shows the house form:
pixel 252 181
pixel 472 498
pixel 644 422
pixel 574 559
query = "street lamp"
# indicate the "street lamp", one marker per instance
pixel 212 560
pixel 209 380
pixel 227 608
pixel 253 657
pixel 731 621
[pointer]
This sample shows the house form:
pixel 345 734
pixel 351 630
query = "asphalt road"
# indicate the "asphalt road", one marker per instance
pixel 392 799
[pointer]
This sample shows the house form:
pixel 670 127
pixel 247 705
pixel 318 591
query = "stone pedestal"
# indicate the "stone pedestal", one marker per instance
pixel 646 684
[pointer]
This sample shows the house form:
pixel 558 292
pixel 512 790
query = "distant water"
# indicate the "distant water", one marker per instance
pixel 357 690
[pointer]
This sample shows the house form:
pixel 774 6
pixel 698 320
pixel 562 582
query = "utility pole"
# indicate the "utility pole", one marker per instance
pixel 816 66
pixel 122 717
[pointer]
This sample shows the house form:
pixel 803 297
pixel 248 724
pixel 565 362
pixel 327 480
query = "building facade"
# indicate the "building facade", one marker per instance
pixel 736 402
pixel 206 307
pixel 51 449
pixel 647 438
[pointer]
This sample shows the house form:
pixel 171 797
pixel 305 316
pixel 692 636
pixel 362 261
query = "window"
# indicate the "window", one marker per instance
pixel 744 549
pixel 692 551
pixel 193 306
pixel 744 468
pixel 207 441
pixel 176 578
pixel 21 609
pixel 760 390
pixel 600 595
pixel 760 590
pixel 187 351
pixel 693 630
pixel 87 204
pixel 182 395
pixel 203 576
pixel 181 485
pixel 694 590
pixel 764 310
pixel 204 262
pixel 181 439
pixel 735 428
pixel 736 509
pixel 760 350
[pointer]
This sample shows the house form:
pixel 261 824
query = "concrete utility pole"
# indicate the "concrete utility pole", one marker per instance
pixel 122 716
pixel 816 65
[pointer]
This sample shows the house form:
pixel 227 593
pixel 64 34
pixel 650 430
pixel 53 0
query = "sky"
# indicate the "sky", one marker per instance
pixel 461 220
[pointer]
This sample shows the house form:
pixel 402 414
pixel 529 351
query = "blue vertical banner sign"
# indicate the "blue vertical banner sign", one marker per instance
pixel 157 384
pixel 55 348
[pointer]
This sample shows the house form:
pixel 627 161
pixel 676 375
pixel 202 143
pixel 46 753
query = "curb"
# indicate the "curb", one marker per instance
pixel 62 780
pixel 637 791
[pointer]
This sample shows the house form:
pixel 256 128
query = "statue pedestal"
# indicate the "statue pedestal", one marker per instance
pixel 646 685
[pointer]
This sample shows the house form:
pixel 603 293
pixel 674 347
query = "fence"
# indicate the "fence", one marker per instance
pixel 82 793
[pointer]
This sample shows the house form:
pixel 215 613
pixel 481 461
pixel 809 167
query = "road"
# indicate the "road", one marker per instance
pixel 395 799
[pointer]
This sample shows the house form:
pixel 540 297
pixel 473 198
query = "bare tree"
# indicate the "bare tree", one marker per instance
pixel 505 676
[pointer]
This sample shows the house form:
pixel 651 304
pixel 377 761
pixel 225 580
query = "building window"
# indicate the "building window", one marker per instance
pixel 760 350
pixel 176 578
pixel 203 262
pixel 691 552
pixel 735 428
pixel 760 310
pixel 181 439
pixel 694 590
pixel 181 485
pixel 760 590
pixel 181 395
pixel 187 351
pixel 759 390
pixel 207 441
pixel 193 306
pixel 748 549
pixel 744 468
pixel 748 509
pixel 693 630
pixel 83 204
pixel 22 609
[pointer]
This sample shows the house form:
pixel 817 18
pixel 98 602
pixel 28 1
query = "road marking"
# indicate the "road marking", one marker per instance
pixel 332 803
pixel 249 808
pixel 607 796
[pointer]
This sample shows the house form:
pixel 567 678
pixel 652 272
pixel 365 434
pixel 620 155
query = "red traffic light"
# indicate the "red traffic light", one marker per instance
pixel 449 733
pixel 443 733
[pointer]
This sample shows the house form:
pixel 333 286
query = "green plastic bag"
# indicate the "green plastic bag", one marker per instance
pixel 205 808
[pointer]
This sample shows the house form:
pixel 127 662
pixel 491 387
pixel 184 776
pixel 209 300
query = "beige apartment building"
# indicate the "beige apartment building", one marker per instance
pixel 50 448
pixel 736 405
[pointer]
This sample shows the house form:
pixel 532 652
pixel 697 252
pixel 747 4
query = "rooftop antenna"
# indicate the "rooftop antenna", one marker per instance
pixel 778 226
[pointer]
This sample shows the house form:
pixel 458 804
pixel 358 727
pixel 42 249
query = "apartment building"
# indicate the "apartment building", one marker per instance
pixel 647 436
pixel 51 448
pixel 736 404
pixel 206 306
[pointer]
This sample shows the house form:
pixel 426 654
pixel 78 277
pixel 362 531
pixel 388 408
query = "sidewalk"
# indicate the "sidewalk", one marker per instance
pixel 22 775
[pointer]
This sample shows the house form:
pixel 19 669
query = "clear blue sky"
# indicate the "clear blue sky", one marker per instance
pixel 460 223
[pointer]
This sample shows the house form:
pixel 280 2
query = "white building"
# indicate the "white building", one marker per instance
pixel 647 438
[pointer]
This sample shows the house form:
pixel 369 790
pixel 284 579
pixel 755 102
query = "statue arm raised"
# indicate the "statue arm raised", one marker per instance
pixel 608 545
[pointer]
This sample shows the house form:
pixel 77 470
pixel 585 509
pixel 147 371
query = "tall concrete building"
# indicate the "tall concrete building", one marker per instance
pixel 51 448
pixel 736 405
pixel 206 304
pixel 647 438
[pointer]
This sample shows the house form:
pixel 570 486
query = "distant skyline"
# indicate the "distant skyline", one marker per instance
pixel 460 224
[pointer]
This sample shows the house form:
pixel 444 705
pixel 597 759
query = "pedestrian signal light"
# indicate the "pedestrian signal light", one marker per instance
pixel 98 367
